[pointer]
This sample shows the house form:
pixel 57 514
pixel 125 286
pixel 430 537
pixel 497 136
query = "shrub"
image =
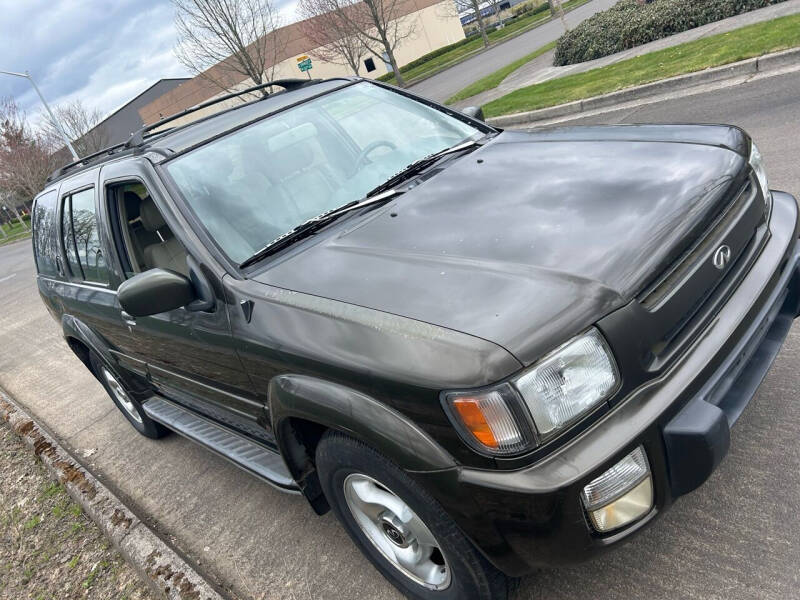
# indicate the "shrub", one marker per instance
pixel 630 23
pixel 529 8
pixel 425 58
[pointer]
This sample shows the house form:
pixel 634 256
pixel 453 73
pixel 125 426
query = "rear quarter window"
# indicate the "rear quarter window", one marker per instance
pixel 45 234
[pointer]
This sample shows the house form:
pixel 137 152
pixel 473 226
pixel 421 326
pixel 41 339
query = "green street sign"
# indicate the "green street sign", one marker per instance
pixel 304 65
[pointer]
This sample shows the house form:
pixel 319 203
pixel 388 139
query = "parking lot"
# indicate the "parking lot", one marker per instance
pixel 736 537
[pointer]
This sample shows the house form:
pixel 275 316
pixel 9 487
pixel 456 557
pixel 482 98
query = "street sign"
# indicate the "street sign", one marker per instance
pixel 304 63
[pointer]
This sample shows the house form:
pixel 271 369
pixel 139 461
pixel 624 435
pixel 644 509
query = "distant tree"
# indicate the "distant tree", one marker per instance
pixel 474 6
pixel 557 9
pixel 27 157
pixel 80 124
pixel 380 24
pixel 336 39
pixel 240 38
pixel 495 4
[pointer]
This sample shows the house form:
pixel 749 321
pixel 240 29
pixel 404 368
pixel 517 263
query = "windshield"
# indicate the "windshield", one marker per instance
pixel 260 182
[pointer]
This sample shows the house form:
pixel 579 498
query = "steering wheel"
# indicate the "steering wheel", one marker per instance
pixel 362 156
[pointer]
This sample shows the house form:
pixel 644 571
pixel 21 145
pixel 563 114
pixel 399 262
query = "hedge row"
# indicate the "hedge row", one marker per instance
pixel 426 57
pixel 529 9
pixel 631 23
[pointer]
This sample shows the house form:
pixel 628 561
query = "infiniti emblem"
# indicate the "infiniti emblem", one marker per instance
pixel 722 256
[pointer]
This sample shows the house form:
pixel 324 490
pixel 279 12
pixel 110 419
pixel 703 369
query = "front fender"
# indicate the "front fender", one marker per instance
pixel 354 413
pixel 334 406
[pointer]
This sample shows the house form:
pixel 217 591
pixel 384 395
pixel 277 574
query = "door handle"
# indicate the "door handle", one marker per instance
pixel 129 320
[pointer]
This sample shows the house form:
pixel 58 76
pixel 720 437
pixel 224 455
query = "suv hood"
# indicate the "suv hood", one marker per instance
pixel 531 238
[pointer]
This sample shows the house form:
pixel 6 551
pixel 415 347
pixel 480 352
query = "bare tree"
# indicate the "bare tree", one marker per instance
pixel 9 205
pixel 27 157
pixel 496 10
pixel 227 41
pixel 336 39
pixel 556 8
pixel 381 24
pixel 474 6
pixel 80 124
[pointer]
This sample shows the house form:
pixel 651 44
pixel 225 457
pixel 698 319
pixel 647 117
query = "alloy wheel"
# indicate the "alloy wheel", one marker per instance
pixel 396 531
pixel 121 395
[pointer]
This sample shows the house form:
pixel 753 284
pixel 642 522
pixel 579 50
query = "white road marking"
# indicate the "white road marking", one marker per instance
pixel 7 277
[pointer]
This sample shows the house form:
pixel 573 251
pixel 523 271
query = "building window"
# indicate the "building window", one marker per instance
pixel 369 64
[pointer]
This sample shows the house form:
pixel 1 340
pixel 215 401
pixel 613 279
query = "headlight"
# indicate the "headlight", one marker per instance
pixel 569 382
pixel 757 164
pixel 555 392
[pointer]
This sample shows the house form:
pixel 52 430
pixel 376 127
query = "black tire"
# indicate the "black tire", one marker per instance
pixel 472 577
pixel 133 412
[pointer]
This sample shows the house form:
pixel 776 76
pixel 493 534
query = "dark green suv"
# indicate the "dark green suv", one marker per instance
pixel 486 351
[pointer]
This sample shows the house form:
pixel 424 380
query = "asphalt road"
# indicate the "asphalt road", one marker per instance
pixel 443 85
pixel 738 536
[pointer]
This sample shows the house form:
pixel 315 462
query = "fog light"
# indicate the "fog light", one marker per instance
pixel 622 494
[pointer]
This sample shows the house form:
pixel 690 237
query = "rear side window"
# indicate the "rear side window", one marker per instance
pixel 45 234
pixel 80 231
pixel 68 237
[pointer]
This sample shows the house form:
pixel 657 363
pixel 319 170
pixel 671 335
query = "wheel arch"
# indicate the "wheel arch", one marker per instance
pixel 82 341
pixel 303 408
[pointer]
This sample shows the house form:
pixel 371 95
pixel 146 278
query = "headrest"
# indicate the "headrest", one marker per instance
pixel 289 138
pixel 131 198
pixel 150 215
pixel 293 150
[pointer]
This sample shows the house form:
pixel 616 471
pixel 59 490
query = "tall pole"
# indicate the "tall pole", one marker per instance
pixel 56 122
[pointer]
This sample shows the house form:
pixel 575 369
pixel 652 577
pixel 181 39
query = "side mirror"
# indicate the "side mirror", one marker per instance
pixel 476 112
pixel 155 291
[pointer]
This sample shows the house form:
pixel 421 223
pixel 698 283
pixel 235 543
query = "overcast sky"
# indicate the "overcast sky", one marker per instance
pixel 103 52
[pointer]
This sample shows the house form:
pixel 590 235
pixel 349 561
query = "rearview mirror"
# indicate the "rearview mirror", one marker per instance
pixel 155 291
pixel 476 112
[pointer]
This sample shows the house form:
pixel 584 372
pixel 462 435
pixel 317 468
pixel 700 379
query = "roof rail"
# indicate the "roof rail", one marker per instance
pixel 138 137
pixel 83 160
pixel 288 84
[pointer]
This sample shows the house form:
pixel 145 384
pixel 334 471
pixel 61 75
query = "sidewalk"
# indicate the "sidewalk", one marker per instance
pixel 541 68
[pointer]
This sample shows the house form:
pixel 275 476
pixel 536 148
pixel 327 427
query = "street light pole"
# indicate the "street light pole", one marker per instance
pixel 27 76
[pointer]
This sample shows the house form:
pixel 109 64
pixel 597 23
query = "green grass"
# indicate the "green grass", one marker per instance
pixel 14 231
pixel 721 49
pixel 474 44
pixel 492 80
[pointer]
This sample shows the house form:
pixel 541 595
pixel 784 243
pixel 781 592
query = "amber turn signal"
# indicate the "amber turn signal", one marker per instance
pixel 470 412
pixel 487 422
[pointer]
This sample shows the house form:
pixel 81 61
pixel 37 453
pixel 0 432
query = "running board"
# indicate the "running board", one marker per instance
pixel 253 458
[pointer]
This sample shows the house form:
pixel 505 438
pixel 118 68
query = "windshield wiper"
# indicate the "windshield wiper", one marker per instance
pixel 420 165
pixel 309 227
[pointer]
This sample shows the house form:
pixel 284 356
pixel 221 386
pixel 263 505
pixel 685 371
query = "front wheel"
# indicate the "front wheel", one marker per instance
pixel 400 528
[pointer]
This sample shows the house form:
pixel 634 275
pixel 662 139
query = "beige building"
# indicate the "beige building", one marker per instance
pixel 434 22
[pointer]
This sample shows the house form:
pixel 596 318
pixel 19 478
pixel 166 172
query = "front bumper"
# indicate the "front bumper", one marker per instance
pixel 533 517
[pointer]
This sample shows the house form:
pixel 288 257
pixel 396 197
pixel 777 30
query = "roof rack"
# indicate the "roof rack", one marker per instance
pixel 83 160
pixel 288 84
pixel 138 138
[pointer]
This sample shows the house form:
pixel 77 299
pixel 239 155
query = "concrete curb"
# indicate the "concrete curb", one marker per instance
pixel 167 574
pixel 750 66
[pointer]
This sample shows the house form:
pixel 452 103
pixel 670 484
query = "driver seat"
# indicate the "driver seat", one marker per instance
pixel 308 184
pixel 168 253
